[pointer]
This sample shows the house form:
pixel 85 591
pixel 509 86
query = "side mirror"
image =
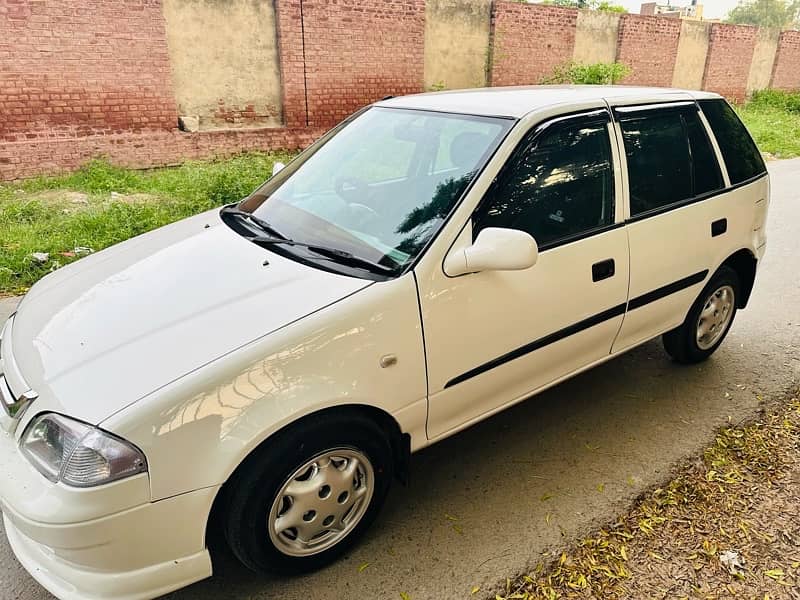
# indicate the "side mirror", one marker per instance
pixel 495 249
pixel 277 168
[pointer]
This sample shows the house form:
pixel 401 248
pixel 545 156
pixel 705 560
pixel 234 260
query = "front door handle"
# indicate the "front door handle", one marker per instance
pixel 603 269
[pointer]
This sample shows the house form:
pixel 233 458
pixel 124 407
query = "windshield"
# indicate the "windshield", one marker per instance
pixel 379 186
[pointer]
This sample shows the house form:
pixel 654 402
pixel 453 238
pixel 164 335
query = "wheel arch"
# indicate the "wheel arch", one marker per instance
pixel 744 263
pixel 400 443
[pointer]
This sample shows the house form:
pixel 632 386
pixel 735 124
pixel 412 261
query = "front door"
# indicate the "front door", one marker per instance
pixel 492 338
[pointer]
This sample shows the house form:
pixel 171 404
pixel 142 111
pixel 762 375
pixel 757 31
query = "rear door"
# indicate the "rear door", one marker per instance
pixel 684 218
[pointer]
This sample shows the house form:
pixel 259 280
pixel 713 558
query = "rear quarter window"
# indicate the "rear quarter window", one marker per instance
pixel 740 152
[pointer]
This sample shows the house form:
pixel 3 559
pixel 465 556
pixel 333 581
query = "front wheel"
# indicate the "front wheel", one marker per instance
pixel 306 496
pixel 708 321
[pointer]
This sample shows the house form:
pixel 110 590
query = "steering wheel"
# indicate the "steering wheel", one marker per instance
pixel 362 212
pixel 351 189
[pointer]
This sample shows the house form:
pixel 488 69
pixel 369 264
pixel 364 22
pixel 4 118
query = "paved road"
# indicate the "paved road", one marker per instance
pixel 593 444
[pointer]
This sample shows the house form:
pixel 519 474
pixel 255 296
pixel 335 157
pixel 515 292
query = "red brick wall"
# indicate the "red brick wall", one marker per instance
pixel 529 40
pixel 649 46
pixel 358 51
pixel 290 49
pixel 786 72
pixel 141 149
pixel 79 67
pixel 730 52
pixel 80 78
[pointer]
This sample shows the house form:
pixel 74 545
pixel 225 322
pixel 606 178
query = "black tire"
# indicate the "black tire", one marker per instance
pixel 255 485
pixel 681 343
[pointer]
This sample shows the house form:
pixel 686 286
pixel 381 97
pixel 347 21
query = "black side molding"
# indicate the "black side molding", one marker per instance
pixel 615 311
pixel 670 288
pixel 540 343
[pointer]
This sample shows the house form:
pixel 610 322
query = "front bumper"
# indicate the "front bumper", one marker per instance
pixel 105 542
pixel 69 581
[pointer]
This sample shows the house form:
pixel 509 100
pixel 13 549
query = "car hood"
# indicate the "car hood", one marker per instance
pixel 101 333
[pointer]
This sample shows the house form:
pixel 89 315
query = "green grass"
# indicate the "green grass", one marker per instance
pixel 40 215
pixel 773 119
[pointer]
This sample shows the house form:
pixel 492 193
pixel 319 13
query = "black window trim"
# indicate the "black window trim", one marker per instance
pixel 641 111
pixel 530 137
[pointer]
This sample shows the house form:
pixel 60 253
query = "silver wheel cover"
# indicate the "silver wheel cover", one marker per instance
pixel 321 502
pixel 715 317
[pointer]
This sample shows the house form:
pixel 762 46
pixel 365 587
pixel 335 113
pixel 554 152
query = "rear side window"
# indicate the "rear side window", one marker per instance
pixel 738 149
pixel 659 163
pixel 556 187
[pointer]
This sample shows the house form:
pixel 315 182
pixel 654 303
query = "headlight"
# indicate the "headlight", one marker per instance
pixel 77 454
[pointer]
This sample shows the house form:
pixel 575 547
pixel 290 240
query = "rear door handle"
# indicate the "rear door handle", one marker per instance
pixel 719 227
pixel 603 269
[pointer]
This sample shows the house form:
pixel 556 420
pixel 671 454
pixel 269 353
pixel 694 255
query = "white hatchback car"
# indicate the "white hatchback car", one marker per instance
pixel 271 366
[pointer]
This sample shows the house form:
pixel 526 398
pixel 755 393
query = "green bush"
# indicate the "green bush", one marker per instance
pixel 773 118
pixel 788 101
pixel 610 7
pixel 597 73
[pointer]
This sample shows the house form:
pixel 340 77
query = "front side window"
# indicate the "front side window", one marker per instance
pixel 659 163
pixel 380 186
pixel 738 149
pixel 557 185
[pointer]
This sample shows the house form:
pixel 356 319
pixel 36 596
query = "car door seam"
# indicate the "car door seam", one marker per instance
pixel 424 356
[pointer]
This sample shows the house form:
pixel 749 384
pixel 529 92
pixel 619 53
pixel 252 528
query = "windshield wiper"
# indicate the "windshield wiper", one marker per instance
pixel 262 224
pixel 335 254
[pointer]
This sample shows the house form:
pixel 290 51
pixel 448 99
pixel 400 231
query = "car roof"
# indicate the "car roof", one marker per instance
pixel 516 102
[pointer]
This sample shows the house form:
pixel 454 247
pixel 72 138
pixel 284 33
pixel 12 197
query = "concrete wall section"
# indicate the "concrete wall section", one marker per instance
pixel 786 72
pixel 649 46
pixel 224 58
pixel 690 64
pixel 596 37
pixel 529 41
pixel 456 43
pixel 730 54
pixel 763 59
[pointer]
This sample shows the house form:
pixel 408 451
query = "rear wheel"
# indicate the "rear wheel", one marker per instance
pixel 708 321
pixel 305 497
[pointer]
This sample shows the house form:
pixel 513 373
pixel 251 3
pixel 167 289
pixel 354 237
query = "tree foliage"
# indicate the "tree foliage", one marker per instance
pixel 767 13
